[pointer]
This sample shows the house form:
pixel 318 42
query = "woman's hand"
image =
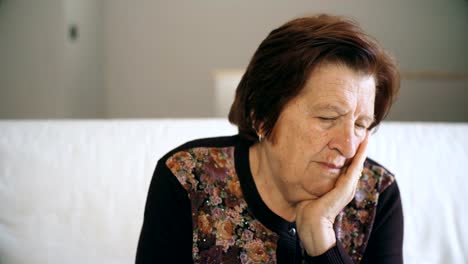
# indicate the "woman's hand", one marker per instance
pixel 315 218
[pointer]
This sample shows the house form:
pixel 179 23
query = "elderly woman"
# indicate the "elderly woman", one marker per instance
pixel 294 186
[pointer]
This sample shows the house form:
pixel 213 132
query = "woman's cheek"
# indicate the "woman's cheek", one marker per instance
pixel 318 139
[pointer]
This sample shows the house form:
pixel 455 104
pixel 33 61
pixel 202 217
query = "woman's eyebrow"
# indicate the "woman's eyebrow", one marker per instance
pixel 368 119
pixel 340 110
pixel 330 107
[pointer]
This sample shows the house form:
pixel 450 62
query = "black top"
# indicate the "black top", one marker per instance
pixel 369 230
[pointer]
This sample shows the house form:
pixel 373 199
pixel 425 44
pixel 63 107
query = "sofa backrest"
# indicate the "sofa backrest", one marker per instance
pixel 74 191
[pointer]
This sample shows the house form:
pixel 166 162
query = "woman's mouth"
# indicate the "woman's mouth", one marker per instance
pixel 335 168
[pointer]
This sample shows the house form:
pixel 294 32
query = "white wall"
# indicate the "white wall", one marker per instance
pixel 31 59
pixel 161 55
pixel 83 58
pixel 157 58
pixel 42 73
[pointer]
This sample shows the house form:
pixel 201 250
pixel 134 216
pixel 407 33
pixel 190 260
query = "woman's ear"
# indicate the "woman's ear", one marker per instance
pixel 257 126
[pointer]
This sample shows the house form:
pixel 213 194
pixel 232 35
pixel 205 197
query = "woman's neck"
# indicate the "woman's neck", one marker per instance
pixel 267 186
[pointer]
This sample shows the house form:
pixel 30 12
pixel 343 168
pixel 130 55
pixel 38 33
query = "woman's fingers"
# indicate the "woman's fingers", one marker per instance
pixel 346 184
pixel 355 168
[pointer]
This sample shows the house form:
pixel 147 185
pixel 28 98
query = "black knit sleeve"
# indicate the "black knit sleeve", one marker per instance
pixel 385 244
pixel 335 255
pixel 386 239
pixel 166 235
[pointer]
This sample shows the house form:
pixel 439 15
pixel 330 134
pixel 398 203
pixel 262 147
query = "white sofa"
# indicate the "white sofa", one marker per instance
pixel 74 191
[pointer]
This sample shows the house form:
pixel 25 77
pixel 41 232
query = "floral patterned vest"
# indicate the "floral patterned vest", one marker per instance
pixel 224 231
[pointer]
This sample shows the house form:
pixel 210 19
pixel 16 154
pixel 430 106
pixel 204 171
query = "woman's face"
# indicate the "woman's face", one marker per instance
pixel 319 131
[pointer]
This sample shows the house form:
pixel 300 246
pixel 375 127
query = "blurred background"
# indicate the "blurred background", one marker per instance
pixel 166 59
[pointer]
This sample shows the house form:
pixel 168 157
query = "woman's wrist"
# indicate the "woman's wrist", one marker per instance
pixel 319 239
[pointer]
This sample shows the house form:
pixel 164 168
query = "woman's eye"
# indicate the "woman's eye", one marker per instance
pixel 327 118
pixel 361 126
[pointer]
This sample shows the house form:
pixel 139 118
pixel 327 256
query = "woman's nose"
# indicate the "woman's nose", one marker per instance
pixel 345 141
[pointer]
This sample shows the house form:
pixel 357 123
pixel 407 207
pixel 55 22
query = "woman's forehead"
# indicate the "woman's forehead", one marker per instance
pixel 332 79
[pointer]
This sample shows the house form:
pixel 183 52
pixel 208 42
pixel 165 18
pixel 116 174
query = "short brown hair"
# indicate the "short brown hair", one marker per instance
pixel 283 62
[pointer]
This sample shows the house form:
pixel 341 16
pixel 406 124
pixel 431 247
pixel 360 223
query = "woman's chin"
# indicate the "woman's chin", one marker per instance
pixel 320 190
